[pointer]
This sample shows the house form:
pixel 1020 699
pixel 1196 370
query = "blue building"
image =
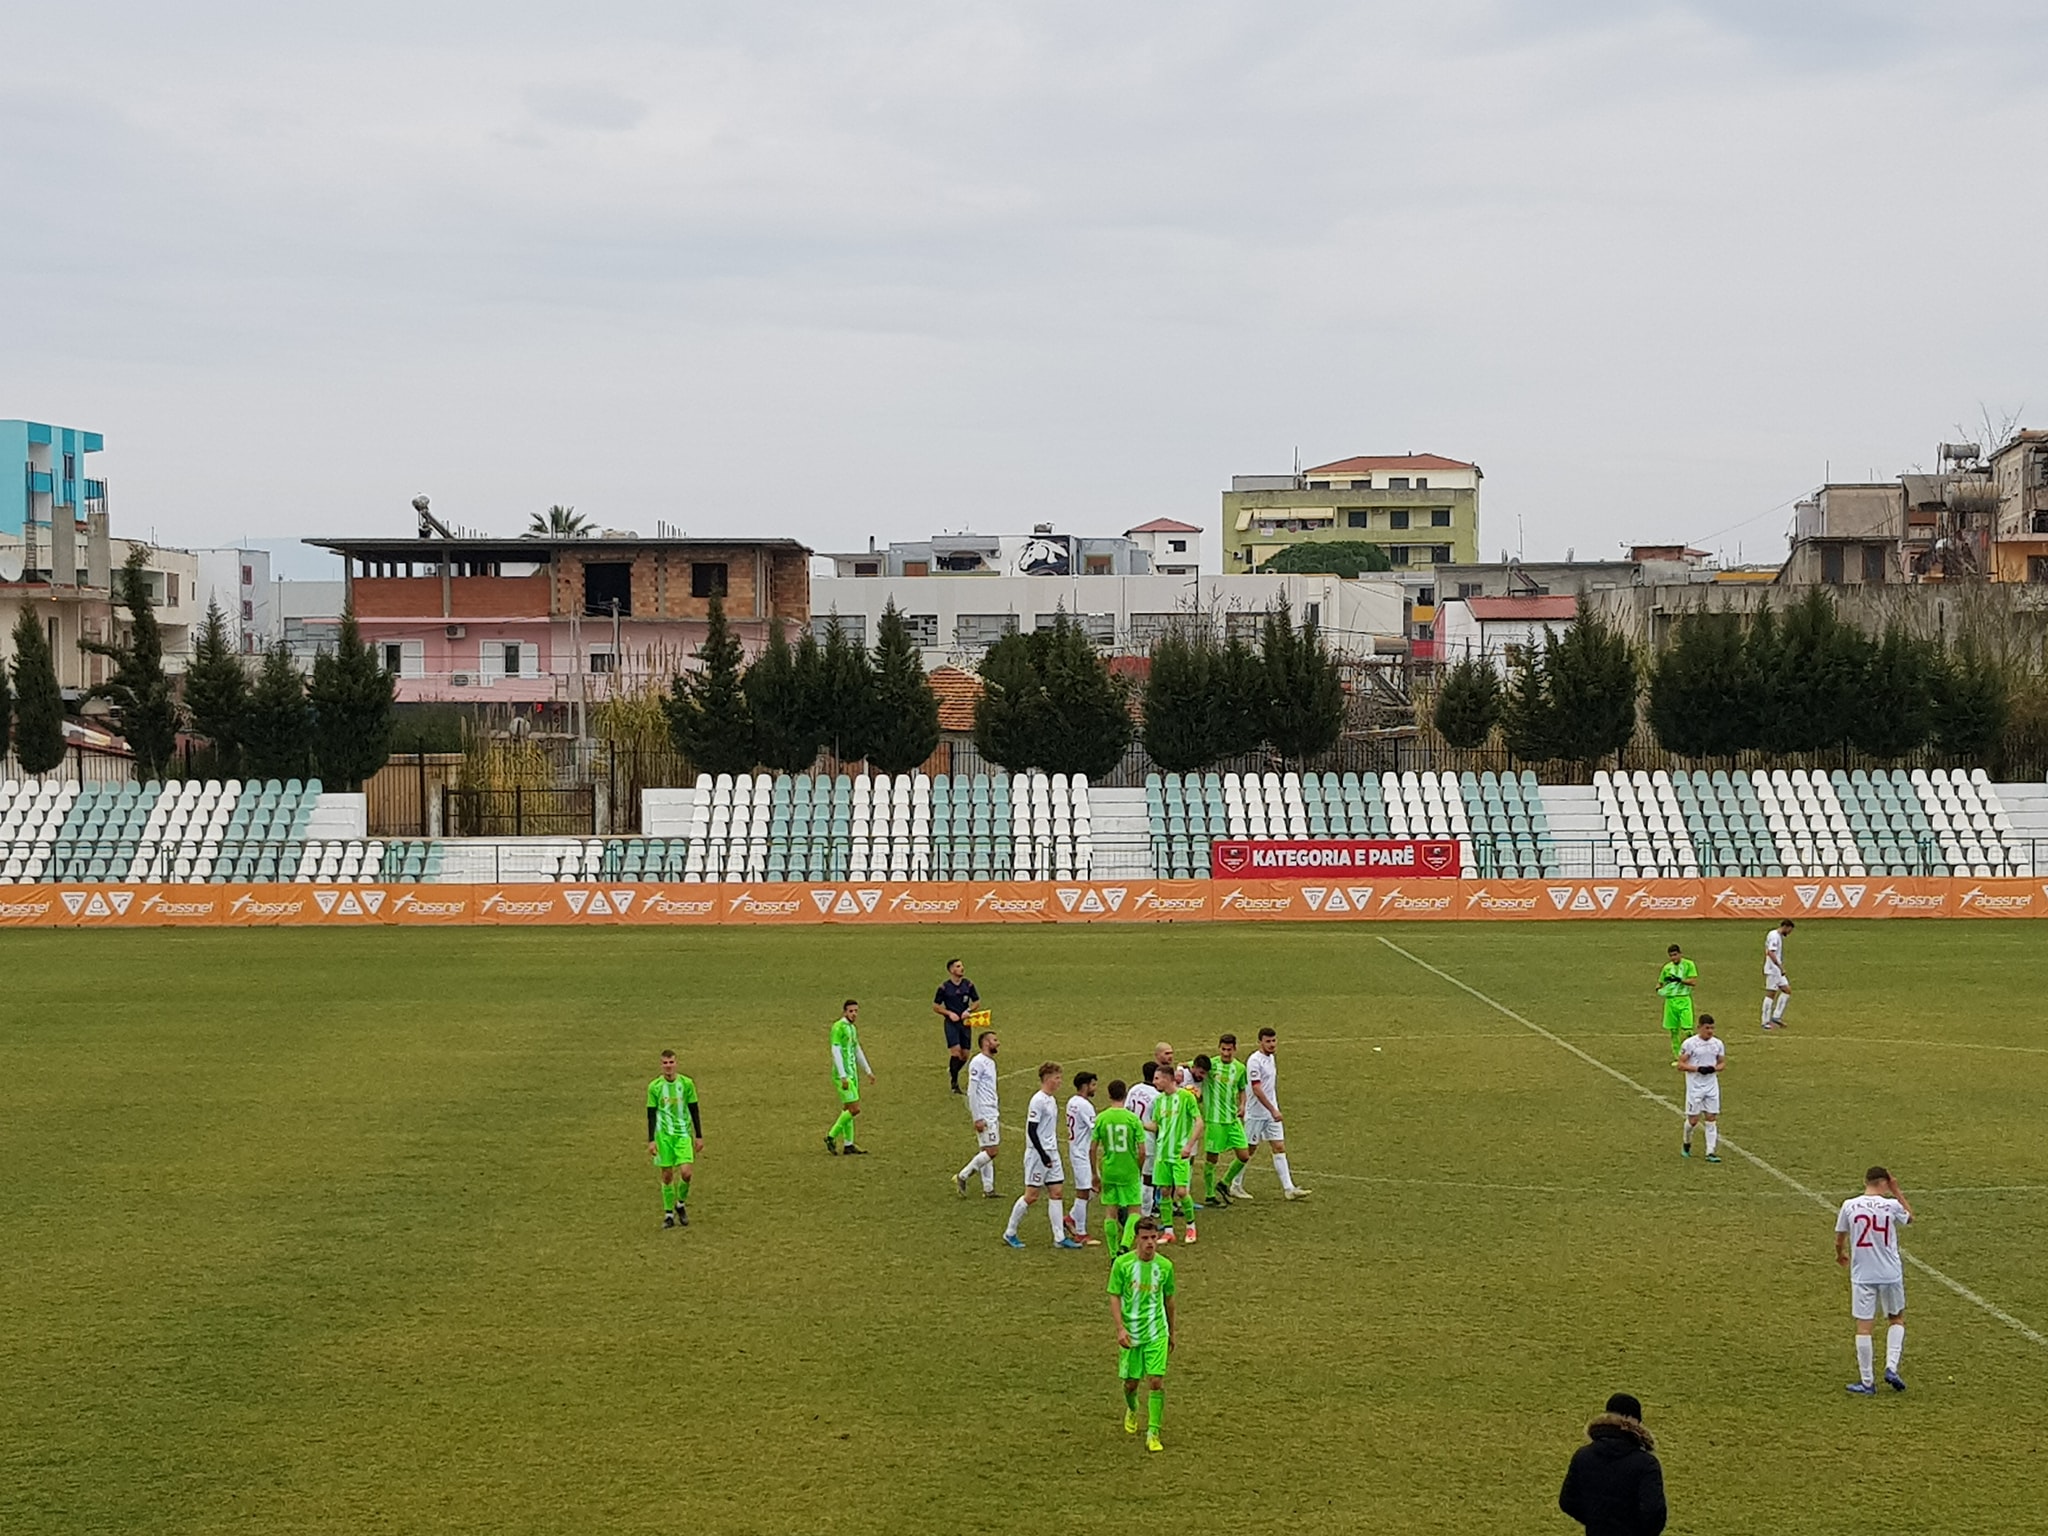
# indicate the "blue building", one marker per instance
pixel 42 476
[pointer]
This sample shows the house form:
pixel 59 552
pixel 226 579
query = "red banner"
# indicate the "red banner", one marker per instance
pixel 1334 858
pixel 1340 898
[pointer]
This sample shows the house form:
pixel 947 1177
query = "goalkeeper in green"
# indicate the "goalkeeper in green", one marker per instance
pixel 847 1060
pixel 1674 984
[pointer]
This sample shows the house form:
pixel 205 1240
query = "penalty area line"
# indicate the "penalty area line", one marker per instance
pixel 1960 1289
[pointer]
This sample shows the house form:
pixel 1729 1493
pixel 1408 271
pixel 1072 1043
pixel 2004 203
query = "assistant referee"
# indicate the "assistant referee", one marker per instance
pixel 952 1002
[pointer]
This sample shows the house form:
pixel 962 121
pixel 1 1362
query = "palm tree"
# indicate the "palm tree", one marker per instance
pixel 558 522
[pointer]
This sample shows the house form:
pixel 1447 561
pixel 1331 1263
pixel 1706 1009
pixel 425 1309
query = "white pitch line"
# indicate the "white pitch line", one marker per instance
pixel 1775 1172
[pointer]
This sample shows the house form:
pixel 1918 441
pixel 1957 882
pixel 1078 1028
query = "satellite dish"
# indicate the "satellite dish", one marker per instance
pixel 10 562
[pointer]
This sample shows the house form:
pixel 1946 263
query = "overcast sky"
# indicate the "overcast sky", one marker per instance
pixel 830 270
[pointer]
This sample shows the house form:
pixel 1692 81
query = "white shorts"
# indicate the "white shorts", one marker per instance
pixel 1151 1157
pixel 1702 1094
pixel 1866 1301
pixel 1260 1126
pixel 1774 980
pixel 1084 1168
pixel 1037 1171
pixel 991 1137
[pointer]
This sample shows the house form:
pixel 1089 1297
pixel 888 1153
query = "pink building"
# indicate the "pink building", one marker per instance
pixel 516 621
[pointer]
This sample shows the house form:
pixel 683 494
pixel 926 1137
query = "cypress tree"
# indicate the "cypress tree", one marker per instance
pixel 1527 720
pixel 1763 655
pixel 1591 680
pixel 1970 705
pixel 1897 711
pixel 1699 704
pixel 7 697
pixel 1086 721
pixel 785 714
pixel 139 690
pixel 845 695
pixel 1008 717
pixel 1182 711
pixel 351 700
pixel 38 702
pixel 707 711
pixel 1468 705
pixel 905 710
pixel 277 731
pixel 1817 692
pixel 1243 703
pixel 1304 694
pixel 217 693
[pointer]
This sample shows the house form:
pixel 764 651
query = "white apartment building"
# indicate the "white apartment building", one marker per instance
pixel 1175 547
pixel 239 580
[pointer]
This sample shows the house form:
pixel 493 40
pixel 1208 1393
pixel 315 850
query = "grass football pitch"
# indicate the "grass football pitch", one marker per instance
pixel 355 1231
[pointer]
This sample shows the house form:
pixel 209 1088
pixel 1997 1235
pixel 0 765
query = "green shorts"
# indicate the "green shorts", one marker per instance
pixel 1224 1138
pixel 1172 1173
pixel 1122 1196
pixel 673 1151
pixel 849 1092
pixel 1678 1015
pixel 1142 1360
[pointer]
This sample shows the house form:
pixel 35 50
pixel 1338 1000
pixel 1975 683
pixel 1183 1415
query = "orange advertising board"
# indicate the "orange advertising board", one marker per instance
pixel 1052 901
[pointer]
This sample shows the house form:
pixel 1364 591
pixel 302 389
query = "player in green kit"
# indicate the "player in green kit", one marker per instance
pixel 1223 1125
pixel 1176 1122
pixel 1141 1288
pixel 675 1135
pixel 847 1060
pixel 1675 984
pixel 1118 1150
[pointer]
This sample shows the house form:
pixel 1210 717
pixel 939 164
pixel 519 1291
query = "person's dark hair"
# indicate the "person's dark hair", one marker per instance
pixel 1788 923
pixel 851 1002
pixel 1201 1063
pixel 1674 950
pixel 668 1055
pixel 1878 1174
pixel 1046 1069
pixel 1226 1039
pixel 1147 1224
pixel 1626 1405
pixel 1118 1088
pixel 952 962
pixel 1269 1034
pixel 1706 1018
pixel 1146 1069
pixel 981 1040
pixel 1082 1080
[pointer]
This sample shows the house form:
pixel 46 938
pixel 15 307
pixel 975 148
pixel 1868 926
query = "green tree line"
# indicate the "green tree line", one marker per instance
pixel 1207 699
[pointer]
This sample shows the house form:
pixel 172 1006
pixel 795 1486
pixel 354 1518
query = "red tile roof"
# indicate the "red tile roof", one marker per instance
pixel 1371 462
pixel 958 693
pixel 1163 525
pixel 1492 609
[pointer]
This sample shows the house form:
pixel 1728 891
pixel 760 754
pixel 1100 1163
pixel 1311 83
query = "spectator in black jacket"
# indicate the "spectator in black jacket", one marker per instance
pixel 1615 1486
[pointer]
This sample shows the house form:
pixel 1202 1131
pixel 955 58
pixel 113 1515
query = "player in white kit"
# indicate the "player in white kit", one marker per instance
pixel 1777 990
pixel 1262 1121
pixel 983 1109
pixel 1081 1152
pixel 1043 1173
pixel 1703 1059
pixel 1139 1102
pixel 1867 1243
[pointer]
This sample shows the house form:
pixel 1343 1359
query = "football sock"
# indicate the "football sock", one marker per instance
pixel 1155 1405
pixel 1713 1137
pixel 842 1128
pixel 1208 1181
pixel 1863 1357
pixel 1688 1135
pixel 1778 1013
pixel 979 1163
pixel 988 1174
pixel 1767 1007
pixel 1130 1232
pixel 1280 1167
pixel 1894 1345
pixel 682 1193
pixel 953 1069
pixel 1016 1216
pixel 1081 1214
pixel 668 1197
pixel 1131 1395
pixel 1059 1229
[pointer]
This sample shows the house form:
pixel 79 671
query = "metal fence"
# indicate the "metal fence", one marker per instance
pixel 519 812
